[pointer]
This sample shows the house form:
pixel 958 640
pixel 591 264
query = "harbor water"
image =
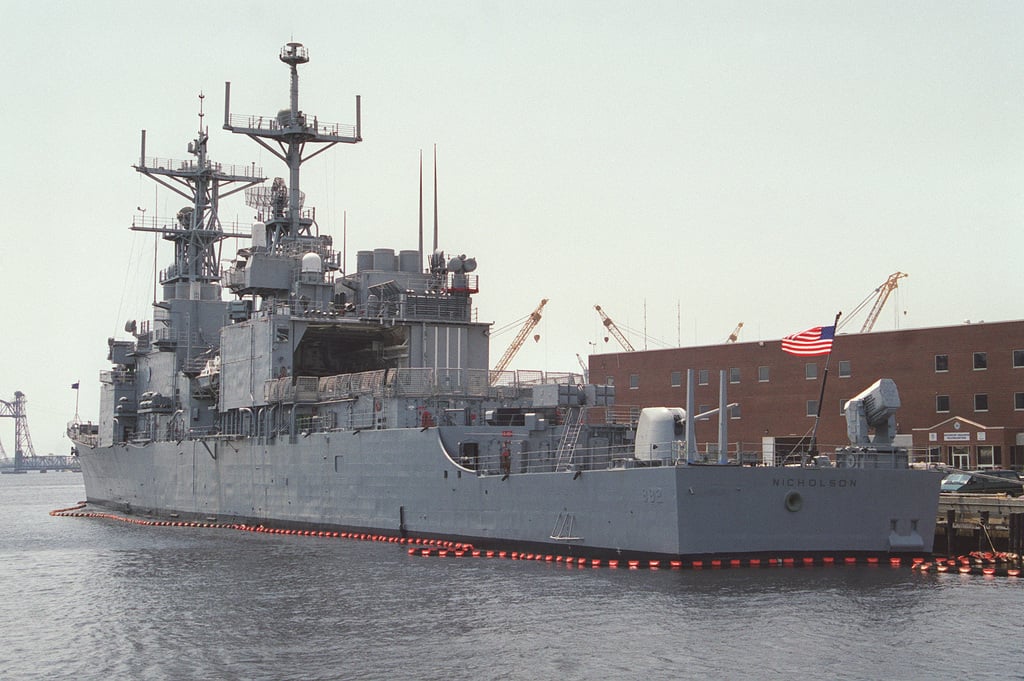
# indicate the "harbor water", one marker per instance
pixel 90 598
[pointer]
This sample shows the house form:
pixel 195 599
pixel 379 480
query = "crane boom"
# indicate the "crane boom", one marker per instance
pixel 517 342
pixel 882 293
pixel 614 330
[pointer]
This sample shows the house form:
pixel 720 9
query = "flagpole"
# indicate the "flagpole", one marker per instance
pixel 821 397
pixel 75 386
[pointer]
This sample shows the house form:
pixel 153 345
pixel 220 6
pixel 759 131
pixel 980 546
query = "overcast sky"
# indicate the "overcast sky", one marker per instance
pixel 686 165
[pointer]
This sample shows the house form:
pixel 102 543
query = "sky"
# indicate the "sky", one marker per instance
pixel 686 165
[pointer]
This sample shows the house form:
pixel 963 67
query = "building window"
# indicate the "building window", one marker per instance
pixel 980 360
pixel 734 411
pixel 762 374
pixel 677 379
pixel 734 375
pixel 842 407
pixel 700 410
pixel 1018 401
pixel 941 363
pixel 981 402
pixel 844 368
pixel 811 371
pixel 942 403
pixel 986 456
pixel 1018 359
pixel 812 407
pixel 609 380
pixel 634 381
pixel 702 377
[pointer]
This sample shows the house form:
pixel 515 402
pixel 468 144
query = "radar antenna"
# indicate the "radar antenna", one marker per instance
pixel 291 130
pixel 196 230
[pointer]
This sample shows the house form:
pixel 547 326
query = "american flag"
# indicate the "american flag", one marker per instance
pixel 810 343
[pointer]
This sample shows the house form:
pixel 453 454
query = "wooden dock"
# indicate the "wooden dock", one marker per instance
pixel 979 522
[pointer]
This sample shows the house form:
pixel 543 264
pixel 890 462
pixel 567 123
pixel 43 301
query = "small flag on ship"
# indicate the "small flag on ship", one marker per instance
pixel 810 343
pixel 74 386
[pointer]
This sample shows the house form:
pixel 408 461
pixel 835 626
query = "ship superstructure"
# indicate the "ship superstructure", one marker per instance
pixel 320 397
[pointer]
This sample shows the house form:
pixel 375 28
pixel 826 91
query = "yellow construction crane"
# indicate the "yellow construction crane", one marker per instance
pixel 735 334
pixel 614 330
pixel 517 342
pixel 880 295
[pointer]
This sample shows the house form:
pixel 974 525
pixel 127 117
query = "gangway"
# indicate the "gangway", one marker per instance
pixel 567 446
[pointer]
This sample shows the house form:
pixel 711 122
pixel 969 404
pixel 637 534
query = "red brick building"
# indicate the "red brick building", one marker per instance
pixel 961 389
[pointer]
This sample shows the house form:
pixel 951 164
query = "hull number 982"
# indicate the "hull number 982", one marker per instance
pixel 651 495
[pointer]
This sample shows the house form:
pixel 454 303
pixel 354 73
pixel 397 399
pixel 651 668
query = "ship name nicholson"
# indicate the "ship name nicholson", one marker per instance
pixel 813 482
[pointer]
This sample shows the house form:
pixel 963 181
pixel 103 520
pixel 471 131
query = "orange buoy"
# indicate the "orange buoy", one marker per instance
pixel 698 564
pixel 596 562
pixel 872 560
pixel 1013 572
pixel 634 564
pixel 789 562
pixel 676 564
pixel 849 560
pixel 735 562
pixel 965 569
pixel 755 562
pixel 808 560
pixel 829 560
pixel 895 561
pixel 581 560
pixel 654 564
pixel 613 563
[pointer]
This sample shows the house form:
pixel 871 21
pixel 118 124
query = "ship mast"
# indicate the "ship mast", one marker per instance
pixel 292 130
pixel 196 230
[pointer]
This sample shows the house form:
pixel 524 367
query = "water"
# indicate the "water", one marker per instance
pixel 99 599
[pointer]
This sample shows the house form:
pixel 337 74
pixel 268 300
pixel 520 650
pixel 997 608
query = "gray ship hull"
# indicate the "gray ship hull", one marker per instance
pixel 402 482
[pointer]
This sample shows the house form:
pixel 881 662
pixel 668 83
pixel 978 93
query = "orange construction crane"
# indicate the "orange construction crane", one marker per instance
pixel 614 330
pixel 880 295
pixel 517 342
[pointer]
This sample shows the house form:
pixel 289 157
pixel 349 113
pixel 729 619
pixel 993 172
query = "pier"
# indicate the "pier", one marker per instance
pixel 973 522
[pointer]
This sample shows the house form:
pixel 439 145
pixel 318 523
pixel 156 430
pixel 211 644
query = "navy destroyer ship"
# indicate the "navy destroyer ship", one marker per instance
pixel 276 388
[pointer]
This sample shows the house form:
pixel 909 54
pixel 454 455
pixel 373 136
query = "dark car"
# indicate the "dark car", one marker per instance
pixel 994 481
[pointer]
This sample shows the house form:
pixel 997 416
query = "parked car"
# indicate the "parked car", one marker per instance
pixel 992 481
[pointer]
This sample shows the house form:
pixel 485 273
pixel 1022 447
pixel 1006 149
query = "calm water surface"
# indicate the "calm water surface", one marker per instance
pixel 97 599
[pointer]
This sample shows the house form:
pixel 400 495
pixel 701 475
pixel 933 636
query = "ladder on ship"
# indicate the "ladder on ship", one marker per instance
pixel 567 446
pixel 565 527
